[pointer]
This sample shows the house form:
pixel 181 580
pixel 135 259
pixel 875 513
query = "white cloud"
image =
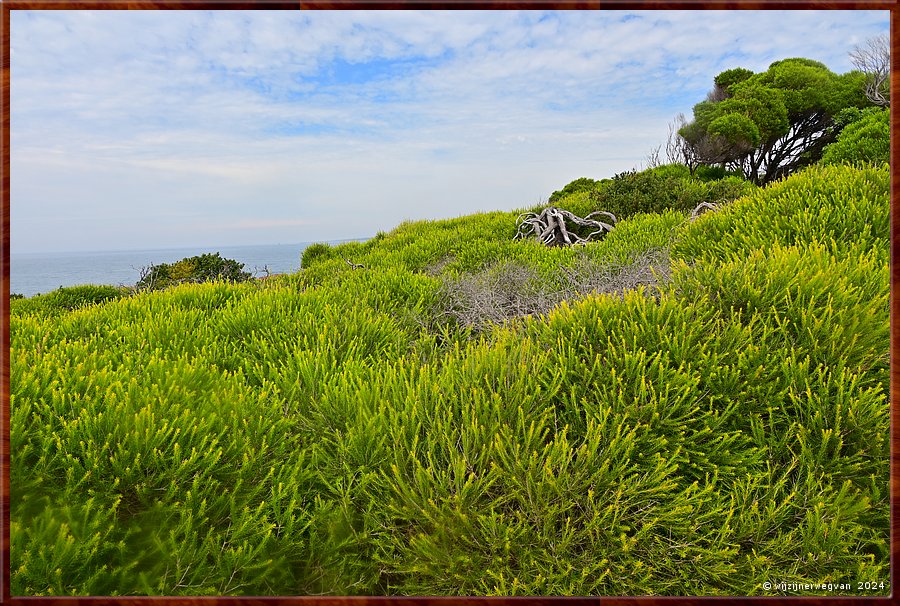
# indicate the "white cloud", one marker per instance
pixel 243 117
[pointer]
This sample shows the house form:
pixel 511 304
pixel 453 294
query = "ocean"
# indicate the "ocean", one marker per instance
pixel 37 273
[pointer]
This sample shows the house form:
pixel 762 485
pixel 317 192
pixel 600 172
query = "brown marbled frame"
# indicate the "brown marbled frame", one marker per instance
pixel 7 5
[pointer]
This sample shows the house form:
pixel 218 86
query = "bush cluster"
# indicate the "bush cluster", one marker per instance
pixel 574 187
pixel 201 268
pixel 653 191
pixel 319 250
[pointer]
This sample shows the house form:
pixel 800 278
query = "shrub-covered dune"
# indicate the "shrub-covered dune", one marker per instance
pixel 683 408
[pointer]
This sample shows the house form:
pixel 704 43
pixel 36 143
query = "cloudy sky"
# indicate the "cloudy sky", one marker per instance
pixel 143 129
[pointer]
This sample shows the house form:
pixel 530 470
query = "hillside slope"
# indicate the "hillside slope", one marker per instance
pixel 349 431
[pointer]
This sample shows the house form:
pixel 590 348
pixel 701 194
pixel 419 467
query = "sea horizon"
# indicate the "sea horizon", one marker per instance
pixel 14 253
pixel 34 273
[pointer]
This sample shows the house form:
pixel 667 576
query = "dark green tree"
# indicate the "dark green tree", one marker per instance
pixel 770 124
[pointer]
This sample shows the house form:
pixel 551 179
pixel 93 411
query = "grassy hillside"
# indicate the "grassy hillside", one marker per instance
pixel 685 408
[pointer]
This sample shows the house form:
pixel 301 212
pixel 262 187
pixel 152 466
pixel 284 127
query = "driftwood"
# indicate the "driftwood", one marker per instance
pixel 702 208
pixel 549 226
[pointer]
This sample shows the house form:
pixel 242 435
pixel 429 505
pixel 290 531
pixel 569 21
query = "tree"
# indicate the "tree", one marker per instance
pixel 770 124
pixel 874 60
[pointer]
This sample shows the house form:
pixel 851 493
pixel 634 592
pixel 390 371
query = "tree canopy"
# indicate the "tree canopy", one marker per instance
pixel 767 125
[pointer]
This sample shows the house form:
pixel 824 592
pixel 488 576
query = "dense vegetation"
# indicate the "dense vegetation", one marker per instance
pixel 865 138
pixel 200 268
pixel 769 125
pixel 442 411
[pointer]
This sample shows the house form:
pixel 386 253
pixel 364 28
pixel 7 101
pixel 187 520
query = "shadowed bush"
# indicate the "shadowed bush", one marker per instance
pixel 654 191
pixel 192 270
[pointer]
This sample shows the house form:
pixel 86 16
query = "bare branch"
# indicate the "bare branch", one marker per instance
pixel 874 59
pixel 678 149
pixel 653 159
pixel 702 208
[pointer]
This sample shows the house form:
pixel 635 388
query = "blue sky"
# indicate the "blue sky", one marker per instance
pixel 144 129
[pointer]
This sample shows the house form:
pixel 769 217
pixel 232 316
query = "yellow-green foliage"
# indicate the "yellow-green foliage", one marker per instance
pixel 182 270
pixel 64 299
pixel 840 207
pixel 866 140
pixel 331 432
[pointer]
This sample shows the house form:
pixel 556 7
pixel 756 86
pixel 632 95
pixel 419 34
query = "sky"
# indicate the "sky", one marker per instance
pixel 145 129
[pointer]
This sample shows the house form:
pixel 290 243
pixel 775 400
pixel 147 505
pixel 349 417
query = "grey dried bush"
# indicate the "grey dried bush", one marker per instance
pixel 702 208
pixel 512 290
pixel 438 267
pixel 588 276
pixel 494 295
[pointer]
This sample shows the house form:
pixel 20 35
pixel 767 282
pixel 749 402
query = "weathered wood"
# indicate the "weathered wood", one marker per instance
pixel 549 226
pixel 702 208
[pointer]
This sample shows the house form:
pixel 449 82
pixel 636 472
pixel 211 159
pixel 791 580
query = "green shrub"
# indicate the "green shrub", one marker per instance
pixel 866 139
pixel 843 207
pixel 632 192
pixel 714 173
pixel 70 545
pixel 671 170
pixel 320 250
pixel 201 268
pixel 578 185
pixel 726 189
pixel 67 298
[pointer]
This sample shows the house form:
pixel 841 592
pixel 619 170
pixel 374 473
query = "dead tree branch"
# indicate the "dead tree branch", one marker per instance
pixel 874 59
pixel 702 208
pixel 549 226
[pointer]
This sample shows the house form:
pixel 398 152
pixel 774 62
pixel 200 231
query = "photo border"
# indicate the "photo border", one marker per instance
pixel 10 5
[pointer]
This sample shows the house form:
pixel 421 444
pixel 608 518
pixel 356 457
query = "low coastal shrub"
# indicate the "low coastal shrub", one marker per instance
pixel 842 207
pixel 320 250
pixel 67 298
pixel 655 190
pixel 200 268
pixel 338 433
pixel 583 184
